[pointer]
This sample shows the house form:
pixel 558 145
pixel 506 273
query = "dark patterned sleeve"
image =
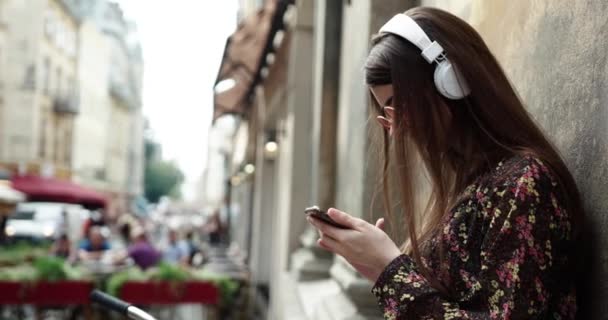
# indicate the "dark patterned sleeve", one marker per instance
pixel 524 226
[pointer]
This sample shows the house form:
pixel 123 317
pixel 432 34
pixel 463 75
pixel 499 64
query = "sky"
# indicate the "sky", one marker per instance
pixel 182 46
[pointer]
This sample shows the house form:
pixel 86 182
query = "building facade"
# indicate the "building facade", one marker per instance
pixel 120 118
pixel 91 140
pixel 40 87
pixel 70 96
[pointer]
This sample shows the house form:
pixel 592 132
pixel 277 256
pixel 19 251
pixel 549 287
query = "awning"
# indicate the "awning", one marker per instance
pixel 245 56
pixel 53 190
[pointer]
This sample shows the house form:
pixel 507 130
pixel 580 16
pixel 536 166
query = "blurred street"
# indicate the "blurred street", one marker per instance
pixel 90 198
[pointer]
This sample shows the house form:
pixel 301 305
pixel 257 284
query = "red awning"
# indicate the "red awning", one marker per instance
pixel 48 189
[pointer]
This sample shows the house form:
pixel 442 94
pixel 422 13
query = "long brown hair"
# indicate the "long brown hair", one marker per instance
pixel 457 140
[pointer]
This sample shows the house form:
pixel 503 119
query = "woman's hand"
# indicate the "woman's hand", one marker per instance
pixel 365 246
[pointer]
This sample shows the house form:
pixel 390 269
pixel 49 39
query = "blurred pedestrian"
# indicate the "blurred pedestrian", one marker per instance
pixel 177 251
pixel 142 252
pixel 125 223
pixel 192 247
pixel 214 229
pixel 95 246
pixel 62 248
pixel 95 219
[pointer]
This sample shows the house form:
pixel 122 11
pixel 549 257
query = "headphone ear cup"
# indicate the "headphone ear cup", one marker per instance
pixel 449 84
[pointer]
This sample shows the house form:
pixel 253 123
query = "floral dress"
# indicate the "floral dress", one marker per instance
pixel 507 245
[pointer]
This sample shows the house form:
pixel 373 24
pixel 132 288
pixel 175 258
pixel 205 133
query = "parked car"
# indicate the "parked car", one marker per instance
pixel 45 221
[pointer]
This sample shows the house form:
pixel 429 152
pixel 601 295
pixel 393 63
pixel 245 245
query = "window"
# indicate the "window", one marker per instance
pixel 71 43
pixel 2 122
pixel 29 80
pixel 58 82
pixel 48 213
pixel 49 25
pixel 42 138
pixel 55 154
pixel 46 75
pixel 23 215
pixel 68 146
pixel 71 88
pixel 60 39
pixel 1 67
pixel 67 88
pixel 109 14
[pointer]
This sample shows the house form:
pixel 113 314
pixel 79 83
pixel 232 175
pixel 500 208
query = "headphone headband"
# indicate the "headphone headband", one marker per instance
pixel 447 80
pixel 405 27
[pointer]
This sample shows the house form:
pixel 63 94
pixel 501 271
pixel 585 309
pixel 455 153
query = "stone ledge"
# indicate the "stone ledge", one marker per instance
pixel 318 300
pixel 355 287
pixel 313 294
pixel 307 266
pixel 286 305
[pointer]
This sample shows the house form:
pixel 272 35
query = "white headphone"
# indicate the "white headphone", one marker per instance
pixel 448 80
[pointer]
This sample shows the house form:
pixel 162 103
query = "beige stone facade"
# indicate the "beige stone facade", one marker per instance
pixel 3 71
pixel 92 125
pixel 118 146
pixel 70 95
pixel 110 136
pixel 40 91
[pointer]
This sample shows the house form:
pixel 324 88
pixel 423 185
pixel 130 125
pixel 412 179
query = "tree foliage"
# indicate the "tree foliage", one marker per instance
pixel 162 178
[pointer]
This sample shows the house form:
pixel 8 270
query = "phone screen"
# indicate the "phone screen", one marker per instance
pixel 319 214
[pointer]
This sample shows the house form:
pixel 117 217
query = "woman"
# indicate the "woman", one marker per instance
pixel 495 240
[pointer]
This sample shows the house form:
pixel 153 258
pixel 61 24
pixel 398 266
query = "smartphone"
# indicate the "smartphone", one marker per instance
pixel 319 214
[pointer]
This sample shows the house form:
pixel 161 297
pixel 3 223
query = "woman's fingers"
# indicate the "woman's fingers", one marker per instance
pixel 326 229
pixel 329 244
pixel 380 224
pixel 320 233
pixel 390 112
pixel 345 219
pixel 384 122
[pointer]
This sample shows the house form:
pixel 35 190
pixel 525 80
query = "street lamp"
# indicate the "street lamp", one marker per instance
pixel 249 168
pixel 270 150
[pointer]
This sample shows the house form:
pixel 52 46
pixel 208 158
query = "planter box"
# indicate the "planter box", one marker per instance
pixel 12 292
pixel 46 293
pixel 146 293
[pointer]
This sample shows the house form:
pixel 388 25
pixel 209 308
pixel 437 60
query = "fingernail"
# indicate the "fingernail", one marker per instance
pixel 384 121
pixel 390 111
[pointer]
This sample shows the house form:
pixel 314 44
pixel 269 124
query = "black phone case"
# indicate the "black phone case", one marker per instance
pixel 321 215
